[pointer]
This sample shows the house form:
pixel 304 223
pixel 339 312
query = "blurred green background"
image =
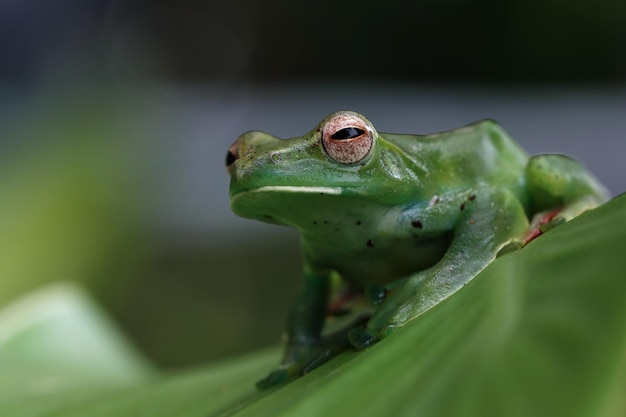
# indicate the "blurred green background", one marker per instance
pixel 115 117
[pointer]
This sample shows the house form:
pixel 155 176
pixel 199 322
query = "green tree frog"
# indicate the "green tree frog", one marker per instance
pixel 404 220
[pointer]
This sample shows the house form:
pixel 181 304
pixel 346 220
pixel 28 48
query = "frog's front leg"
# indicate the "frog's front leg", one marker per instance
pixel 482 222
pixel 560 188
pixel 306 349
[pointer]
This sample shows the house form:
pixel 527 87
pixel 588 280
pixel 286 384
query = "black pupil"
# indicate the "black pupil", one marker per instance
pixel 347 133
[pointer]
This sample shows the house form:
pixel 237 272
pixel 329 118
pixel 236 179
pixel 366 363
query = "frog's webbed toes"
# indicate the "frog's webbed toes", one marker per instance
pixel 318 361
pixel 278 377
pixel 300 359
pixel 296 362
pixel 287 373
pixel 556 221
pixel 542 222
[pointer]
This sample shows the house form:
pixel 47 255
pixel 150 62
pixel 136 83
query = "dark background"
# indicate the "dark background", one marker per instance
pixel 115 117
pixel 489 41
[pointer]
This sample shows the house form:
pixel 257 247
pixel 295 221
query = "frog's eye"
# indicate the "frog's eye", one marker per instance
pixel 347 138
pixel 347 133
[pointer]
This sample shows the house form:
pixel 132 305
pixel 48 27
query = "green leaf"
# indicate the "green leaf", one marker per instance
pixel 539 332
pixel 55 341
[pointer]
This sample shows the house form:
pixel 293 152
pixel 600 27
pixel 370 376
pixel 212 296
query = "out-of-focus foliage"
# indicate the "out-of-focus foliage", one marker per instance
pixel 70 203
pixel 56 340
pixel 81 189
pixel 538 332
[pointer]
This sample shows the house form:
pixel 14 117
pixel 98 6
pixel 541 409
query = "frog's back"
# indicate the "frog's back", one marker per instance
pixel 480 153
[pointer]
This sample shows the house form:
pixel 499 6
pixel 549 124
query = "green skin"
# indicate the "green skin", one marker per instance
pixel 407 225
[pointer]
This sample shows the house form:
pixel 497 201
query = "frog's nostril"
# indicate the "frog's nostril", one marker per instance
pixel 231 156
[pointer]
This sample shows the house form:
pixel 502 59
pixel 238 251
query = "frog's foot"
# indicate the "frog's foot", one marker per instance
pixel 283 374
pixel 301 359
pixel 560 189
pixel 288 372
pixel 375 294
pixel 364 336
pixel 361 337
pixel 542 222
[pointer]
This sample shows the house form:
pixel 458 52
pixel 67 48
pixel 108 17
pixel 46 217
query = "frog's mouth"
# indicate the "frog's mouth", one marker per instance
pixel 271 203
pixel 297 189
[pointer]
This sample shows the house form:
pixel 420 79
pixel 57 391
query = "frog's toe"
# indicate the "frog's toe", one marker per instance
pixel 558 220
pixel 277 377
pixel 318 361
pixel 509 248
pixel 542 222
pixel 361 337
pixel 375 294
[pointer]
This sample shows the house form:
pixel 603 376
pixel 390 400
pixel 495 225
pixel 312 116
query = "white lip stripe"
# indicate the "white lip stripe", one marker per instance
pixel 297 189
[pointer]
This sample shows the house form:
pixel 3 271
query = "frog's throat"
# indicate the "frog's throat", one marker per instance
pixel 297 189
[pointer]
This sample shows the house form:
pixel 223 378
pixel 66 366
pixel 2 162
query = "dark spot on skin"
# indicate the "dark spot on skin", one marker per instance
pixel 314 221
pixel 370 243
pixel 267 216
pixel 417 223
pixel 462 206
pixel 472 197
pixel 358 222
pixel 321 193
pixel 326 222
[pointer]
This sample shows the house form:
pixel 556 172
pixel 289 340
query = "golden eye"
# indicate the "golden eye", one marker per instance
pixel 347 138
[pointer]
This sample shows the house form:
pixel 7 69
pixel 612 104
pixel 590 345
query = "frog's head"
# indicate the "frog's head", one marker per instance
pixel 342 165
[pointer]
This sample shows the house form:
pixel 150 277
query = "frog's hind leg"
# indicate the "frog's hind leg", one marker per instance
pixel 560 189
pixel 484 220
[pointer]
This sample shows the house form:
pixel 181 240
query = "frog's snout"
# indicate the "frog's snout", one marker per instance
pixel 250 145
pixel 232 155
